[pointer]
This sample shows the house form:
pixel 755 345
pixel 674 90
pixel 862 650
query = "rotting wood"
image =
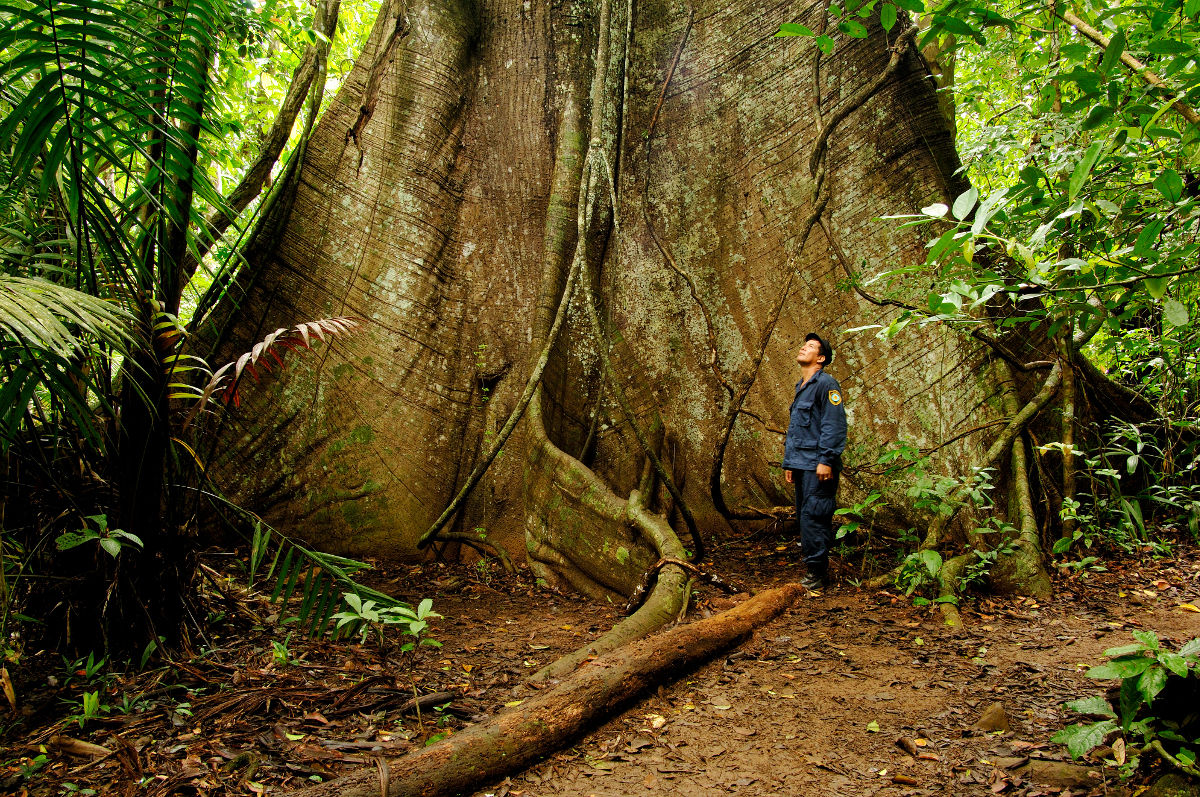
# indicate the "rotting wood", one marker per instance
pixel 543 724
pixel 639 594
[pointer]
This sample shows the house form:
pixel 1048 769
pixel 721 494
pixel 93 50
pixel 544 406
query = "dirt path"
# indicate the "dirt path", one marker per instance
pixel 814 704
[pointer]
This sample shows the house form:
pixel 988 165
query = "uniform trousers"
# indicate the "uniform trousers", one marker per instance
pixel 815 501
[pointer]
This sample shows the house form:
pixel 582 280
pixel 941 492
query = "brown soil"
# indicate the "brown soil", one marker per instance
pixel 814 704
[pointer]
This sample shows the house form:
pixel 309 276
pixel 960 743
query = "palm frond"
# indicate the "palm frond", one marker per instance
pixel 323 579
pixel 225 382
pixel 47 316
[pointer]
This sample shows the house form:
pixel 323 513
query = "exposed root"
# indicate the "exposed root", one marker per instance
pixel 548 721
pixel 639 594
pixel 951 576
pixel 481 542
pixel 585 531
pixel 623 402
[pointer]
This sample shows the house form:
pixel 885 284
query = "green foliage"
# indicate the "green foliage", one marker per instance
pixel 1085 208
pixel 314 578
pixel 89 669
pixel 111 540
pixel 918 569
pixel 122 126
pixel 871 504
pixel 1145 669
pixel 281 654
pixel 366 616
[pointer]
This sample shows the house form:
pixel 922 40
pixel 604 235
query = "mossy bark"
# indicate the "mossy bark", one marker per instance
pixel 449 217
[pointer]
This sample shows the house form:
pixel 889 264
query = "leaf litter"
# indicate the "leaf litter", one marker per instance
pixel 790 711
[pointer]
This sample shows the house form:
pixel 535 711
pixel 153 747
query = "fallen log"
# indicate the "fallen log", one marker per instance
pixel 528 733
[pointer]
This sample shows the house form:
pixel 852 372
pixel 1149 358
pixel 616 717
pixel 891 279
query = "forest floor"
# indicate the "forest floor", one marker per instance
pixel 850 692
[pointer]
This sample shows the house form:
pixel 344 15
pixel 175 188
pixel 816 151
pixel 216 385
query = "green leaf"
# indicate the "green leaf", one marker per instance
pixel 1175 663
pixel 955 26
pixel 887 16
pixel 1170 185
pixel 1168 47
pixel 825 44
pixel 125 535
pixel 1194 645
pixel 1175 313
pixel 1157 288
pixel 1099 115
pixel 1083 169
pixel 286 573
pixel 937 210
pixel 1123 667
pixel 111 546
pixel 72 539
pixel 793 29
pixel 1129 701
pixel 1079 739
pixel 932 560
pixel 1147 638
pixel 853 28
pixel 1112 53
pixel 1030 175
pixel 965 203
pixel 1096 705
pixel 1152 682
pixel 1125 650
pixel 1147 239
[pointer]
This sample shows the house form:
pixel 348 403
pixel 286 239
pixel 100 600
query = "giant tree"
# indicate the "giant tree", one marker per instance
pixel 603 227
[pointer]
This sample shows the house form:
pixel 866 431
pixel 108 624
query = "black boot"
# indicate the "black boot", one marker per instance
pixel 813 581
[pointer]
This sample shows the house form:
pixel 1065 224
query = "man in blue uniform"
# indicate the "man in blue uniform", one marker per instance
pixel 812 454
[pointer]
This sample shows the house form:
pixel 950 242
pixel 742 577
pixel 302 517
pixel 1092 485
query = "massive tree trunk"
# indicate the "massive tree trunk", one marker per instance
pixel 439 199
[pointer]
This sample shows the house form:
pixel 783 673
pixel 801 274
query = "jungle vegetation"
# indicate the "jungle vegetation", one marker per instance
pixel 154 164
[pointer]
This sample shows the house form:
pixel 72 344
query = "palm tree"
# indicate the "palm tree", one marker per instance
pixel 106 212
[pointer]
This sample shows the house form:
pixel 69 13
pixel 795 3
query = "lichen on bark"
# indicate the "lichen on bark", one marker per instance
pixel 448 217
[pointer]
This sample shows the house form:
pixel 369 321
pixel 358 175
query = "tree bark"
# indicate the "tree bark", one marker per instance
pixel 451 214
pixel 555 717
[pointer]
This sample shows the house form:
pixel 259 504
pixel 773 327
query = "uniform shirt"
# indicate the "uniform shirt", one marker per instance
pixel 817 429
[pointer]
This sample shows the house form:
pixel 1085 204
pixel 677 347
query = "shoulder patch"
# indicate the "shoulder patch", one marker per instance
pixel 835 397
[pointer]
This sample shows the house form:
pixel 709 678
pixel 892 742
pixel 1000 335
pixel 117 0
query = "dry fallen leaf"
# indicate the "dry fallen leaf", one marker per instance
pixel 9 691
pixel 78 747
pixel 1187 607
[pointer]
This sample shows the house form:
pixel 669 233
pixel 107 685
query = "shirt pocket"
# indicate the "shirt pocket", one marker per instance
pixel 802 415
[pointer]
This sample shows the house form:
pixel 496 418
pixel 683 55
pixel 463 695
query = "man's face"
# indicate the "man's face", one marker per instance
pixel 810 353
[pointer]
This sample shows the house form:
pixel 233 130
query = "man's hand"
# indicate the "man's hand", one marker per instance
pixel 824 472
pixel 787 476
